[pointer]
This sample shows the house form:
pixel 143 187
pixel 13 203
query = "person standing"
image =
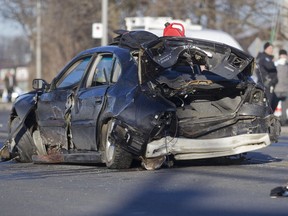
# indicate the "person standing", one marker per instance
pixel 267 74
pixel 10 82
pixel 281 88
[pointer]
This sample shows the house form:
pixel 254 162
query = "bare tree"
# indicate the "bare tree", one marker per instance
pixel 16 49
pixel 66 30
pixel 67 25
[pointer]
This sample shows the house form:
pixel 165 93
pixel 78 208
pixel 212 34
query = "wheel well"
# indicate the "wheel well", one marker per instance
pixel 102 127
pixel 30 119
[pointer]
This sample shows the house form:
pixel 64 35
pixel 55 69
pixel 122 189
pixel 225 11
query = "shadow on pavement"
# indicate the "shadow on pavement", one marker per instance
pixel 243 159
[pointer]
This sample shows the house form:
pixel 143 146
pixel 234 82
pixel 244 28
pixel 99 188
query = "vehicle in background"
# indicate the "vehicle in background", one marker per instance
pixel 156 25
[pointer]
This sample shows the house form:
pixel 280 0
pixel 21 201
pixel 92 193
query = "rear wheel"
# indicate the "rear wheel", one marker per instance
pixel 114 156
pixel 24 146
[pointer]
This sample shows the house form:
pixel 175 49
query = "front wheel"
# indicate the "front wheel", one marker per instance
pixel 114 156
pixel 22 141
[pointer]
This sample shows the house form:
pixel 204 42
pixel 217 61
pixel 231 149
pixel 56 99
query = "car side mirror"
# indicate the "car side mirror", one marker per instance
pixel 39 84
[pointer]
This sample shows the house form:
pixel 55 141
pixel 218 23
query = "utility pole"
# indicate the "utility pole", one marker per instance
pixel 104 40
pixel 38 41
pixel 284 18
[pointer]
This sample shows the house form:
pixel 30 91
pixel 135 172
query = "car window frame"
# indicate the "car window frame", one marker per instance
pixel 107 75
pixel 115 61
pixel 67 70
pixel 113 72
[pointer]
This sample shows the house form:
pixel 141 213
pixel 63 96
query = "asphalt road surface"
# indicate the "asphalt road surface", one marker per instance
pixel 202 187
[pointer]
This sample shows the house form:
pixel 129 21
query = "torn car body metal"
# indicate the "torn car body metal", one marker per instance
pixel 146 98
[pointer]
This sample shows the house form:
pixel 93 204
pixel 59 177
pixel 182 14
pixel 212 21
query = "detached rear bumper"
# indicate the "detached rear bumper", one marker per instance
pixel 186 149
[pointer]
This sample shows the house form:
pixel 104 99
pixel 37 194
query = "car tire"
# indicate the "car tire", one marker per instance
pixel 114 156
pixel 24 145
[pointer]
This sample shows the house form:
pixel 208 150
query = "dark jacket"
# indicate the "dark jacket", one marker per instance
pixel 10 82
pixel 282 72
pixel 267 71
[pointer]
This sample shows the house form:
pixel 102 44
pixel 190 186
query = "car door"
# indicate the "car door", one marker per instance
pixel 90 99
pixel 51 104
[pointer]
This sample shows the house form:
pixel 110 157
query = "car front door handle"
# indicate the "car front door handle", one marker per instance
pixel 98 100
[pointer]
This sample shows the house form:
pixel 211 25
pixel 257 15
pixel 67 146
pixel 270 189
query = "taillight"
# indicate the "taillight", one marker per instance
pixel 257 96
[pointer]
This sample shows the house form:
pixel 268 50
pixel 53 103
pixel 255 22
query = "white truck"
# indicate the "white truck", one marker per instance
pixel 156 26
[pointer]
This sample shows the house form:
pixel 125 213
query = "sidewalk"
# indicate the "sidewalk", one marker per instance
pixel 284 130
pixel 5 106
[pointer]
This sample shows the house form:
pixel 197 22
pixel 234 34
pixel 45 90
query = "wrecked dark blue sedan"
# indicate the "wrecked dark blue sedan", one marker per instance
pixel 144 98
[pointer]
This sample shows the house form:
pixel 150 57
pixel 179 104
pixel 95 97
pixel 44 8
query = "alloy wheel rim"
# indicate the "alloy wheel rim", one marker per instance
pixel 110 147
